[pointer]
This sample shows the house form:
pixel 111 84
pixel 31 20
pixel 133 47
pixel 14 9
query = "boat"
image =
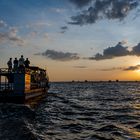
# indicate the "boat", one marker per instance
pixel 21 85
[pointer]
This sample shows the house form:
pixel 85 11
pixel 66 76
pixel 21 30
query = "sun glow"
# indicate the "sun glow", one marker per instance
pixel 138 71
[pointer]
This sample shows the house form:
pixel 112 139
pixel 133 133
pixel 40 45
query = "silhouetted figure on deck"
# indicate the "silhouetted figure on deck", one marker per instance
pixel 21 63
pixel 15 64
pixel 26 63
pixel 9 63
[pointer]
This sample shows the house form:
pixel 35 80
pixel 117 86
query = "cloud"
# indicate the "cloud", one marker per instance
pixel 2 23
pixel 129 68
pixel 132 68
pixel 136 50
pixel 112 69
pixel 38 25
pixel 11 37
pixel 46 35
pixel 99 9
pixel 58 10
pixel 81 67
pixel 81 3
pixel 3 37
pixel 63 29
pixel 33 33
pixel 60 56
pixel 117 51
pixel 112 52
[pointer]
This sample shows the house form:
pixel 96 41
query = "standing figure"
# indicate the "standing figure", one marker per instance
pixel 15 64
pixel 26 63
pixel 21 63
pixel 9 63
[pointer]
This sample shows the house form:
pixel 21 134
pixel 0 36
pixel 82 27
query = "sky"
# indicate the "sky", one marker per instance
pixel 73 39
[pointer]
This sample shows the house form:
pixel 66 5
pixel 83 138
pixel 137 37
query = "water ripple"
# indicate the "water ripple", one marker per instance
pixel 77 111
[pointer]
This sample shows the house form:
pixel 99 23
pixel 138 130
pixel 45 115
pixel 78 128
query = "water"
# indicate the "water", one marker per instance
pixel 77 111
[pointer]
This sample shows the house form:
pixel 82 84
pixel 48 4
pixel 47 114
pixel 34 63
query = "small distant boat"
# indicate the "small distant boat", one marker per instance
pixel 21 85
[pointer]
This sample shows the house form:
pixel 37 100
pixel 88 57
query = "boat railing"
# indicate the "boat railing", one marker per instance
pixel 4 70
pixel 7 71
pixel 5 85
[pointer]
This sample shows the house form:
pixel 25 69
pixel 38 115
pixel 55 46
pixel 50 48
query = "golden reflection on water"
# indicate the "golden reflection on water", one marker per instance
pixel 34 102
pixel 134 131
pixel 136 106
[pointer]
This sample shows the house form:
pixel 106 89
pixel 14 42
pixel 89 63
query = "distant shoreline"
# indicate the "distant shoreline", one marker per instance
pixel 109 81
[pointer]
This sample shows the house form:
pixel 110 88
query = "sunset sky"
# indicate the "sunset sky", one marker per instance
pixel 73 39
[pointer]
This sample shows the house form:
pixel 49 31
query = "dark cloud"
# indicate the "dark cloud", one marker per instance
pixel 111 52
pixel 112 69
pixel 132 68
pixel 60 56
pixel 81 67
pixel 80 3
pixel 117 51
pixel 11 37
pixel 136 50
pixel 63 29
pixel 99 9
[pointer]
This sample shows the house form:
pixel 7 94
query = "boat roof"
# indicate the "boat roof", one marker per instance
pixel 36 68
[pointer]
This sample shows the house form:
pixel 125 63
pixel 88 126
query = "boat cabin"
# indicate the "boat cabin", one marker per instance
pixel 23 83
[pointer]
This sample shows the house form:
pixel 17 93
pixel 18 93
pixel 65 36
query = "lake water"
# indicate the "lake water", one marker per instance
pixel 77 111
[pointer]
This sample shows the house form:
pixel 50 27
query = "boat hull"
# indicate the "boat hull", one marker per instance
pixel 23 98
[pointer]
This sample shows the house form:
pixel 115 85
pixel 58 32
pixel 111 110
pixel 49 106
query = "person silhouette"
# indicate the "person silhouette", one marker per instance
pixel 21 63
pixel 9 63
pixel 15 64
pixel 26 63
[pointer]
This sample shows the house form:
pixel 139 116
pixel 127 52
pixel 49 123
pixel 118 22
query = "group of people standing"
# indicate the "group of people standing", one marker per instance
pixel 18 64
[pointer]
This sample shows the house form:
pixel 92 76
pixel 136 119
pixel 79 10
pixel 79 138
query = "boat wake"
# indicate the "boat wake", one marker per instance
pixel 16 122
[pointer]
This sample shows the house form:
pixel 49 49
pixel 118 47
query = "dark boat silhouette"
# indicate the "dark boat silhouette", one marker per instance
pixel 22 85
